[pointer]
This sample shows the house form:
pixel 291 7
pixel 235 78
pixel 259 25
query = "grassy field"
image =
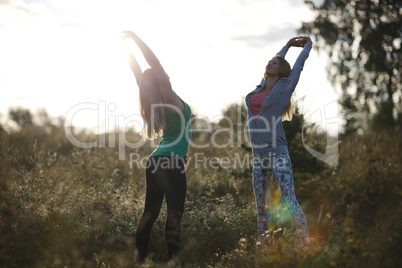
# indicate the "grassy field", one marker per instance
pixel 62 206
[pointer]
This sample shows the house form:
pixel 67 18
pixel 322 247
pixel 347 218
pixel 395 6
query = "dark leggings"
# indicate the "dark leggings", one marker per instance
pixel 165 175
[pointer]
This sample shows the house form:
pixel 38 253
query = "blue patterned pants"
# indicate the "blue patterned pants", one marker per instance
pixel 280 166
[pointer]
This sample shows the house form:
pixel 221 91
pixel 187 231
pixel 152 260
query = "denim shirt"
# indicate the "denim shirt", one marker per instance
pixel 267 135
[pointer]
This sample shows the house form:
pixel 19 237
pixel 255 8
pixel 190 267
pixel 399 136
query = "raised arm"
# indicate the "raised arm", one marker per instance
pixel 135 67
pixel 306 44
pixel 167 92
pixel 293 42
pixel 150 57
pixel 294 76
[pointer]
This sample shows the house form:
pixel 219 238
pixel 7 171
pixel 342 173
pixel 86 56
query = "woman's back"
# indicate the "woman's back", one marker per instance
pixel 176 133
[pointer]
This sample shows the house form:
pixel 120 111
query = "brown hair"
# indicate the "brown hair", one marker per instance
pixel 151 105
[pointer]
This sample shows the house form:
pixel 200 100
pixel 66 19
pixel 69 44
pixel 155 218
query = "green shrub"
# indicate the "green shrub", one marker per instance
pixel 66 206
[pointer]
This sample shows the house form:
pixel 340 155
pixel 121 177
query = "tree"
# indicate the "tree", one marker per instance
pixel 21 116
pixel 363 40
pixel 237 113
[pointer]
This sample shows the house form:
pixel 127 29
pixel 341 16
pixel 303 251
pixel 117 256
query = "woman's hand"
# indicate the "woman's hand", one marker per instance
pixel 305 39
pixel 299 41
pixel 127 34
pixel 294 42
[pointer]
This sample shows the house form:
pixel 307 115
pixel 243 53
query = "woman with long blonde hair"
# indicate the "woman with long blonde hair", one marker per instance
pixel 164 114
pixel 268 105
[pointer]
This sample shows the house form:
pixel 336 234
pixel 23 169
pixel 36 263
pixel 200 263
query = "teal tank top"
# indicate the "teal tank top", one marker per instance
pixel 176 133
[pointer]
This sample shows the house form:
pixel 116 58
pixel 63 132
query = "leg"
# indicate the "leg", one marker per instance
pixel 282 168
pixel 175 197
pixel 153 202
pixel 261 185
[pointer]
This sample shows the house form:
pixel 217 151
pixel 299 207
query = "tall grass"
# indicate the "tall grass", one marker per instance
pixel 62 206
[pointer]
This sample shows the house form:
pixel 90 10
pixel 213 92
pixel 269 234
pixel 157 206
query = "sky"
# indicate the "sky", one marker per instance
pixel 66 55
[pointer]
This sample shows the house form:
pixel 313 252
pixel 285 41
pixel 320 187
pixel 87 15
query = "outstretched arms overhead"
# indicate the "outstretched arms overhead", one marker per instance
pixel 150 57
pixel 168 95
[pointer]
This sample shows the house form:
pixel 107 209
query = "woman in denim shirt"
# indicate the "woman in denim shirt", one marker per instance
pixel 268 105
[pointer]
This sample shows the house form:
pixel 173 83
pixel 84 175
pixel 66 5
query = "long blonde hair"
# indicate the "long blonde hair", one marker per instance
pixel 151 105
pixel 284 71
pixel 289 111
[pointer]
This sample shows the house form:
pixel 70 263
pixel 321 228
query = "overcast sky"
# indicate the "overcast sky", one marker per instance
pixel 58 54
